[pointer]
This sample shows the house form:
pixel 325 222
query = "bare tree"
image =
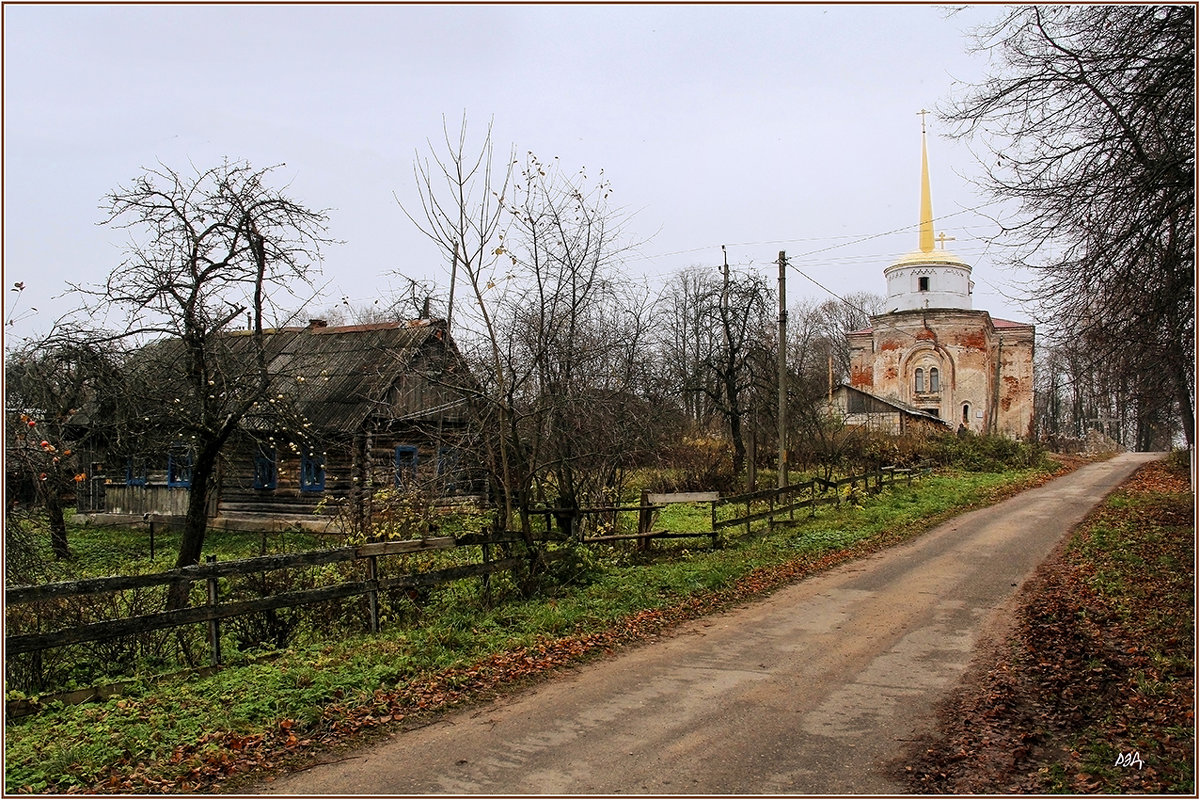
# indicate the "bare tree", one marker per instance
pixel 574 334
pixel 558 331
pixel 207 247
pixel 687 338
pixel 839 316
pixel 1090 119
pixel 462 196
pixel 718 343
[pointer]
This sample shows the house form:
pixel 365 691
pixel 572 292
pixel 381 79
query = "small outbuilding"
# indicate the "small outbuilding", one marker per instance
pixel 861 409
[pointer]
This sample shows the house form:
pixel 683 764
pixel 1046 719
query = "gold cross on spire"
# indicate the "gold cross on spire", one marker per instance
pixel 922 114
pixel 943 238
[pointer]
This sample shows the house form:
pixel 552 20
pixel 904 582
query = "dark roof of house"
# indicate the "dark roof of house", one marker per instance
pixel 341 378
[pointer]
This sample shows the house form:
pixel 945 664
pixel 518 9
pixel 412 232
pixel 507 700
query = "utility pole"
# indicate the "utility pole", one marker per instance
pixel 453 275
pixel 783 448
pixel 831 381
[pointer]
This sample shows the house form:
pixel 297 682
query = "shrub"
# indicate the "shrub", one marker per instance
pixel 989 453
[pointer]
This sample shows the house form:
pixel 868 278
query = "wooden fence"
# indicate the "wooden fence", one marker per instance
pixel 215 610
pixel 770 504
pixel 754 506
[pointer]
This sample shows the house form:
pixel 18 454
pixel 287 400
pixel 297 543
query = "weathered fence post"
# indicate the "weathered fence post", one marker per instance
pixel 715 534
pixel 373 594
pixel 645 515
pixel 487 576
pixel 151 538
pixel 214 627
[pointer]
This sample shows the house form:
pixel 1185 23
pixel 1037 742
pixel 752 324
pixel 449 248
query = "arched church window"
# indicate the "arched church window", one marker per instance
pixel 966 413
pixel 933 380
pixel 920 380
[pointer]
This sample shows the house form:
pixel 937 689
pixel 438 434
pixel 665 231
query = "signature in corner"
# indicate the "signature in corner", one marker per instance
pixel 1133 759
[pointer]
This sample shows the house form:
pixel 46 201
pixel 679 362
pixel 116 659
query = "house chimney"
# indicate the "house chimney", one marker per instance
pixel 317 323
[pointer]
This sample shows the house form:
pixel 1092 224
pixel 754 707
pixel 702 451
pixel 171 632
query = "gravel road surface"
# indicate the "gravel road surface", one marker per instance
pixel 812 690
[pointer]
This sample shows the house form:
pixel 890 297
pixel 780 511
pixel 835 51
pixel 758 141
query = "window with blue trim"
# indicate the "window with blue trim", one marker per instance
pixel 447 467
pixel 406 464
pixel 179 467
pixel 312 473
pixel 266 470
pixel 135 472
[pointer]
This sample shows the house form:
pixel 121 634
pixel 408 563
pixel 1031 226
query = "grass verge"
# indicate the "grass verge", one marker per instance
pixel 1094 690
pixel 246 721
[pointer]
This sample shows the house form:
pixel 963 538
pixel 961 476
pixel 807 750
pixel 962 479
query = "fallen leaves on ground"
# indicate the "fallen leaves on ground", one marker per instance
pixel 1098 667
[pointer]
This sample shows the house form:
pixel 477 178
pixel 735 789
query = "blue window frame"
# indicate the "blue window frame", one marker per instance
pixel 135 472
pixel 934 385
pixel 447 467
pixel 179 468
pixel 920 380
pixel 312 473
pixel 407 459
pixel 266 470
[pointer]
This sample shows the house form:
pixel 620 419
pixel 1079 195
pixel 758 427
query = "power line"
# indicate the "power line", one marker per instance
pixel 853 238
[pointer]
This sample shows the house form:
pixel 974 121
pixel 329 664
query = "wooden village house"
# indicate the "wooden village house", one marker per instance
pixel 351 411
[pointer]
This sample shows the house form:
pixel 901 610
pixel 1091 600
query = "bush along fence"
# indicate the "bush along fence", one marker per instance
pixel 30 608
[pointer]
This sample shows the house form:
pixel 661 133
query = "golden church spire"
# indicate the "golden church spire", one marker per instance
pixel 926 197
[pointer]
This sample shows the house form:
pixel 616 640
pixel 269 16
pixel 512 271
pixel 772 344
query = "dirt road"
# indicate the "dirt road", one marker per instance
pixel 809 691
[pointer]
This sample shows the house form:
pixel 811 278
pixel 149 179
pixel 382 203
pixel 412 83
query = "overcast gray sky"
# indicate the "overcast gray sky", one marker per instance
pixel 764 128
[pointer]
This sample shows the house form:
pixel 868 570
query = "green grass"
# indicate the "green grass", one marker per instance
pixel 80 746
pixel 102 550
pixel 1136 553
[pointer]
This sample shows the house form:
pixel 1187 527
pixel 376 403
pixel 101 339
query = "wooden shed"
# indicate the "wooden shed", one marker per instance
pixel 862 409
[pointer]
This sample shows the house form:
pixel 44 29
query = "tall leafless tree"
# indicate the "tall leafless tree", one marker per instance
pixel 207 247
pixel 719 330
pixel 1089 116
pixel 553 323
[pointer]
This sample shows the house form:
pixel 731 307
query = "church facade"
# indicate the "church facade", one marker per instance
pixel 936 354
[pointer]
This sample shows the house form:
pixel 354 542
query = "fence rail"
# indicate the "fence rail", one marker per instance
pixel 786 500
pixel 215 610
